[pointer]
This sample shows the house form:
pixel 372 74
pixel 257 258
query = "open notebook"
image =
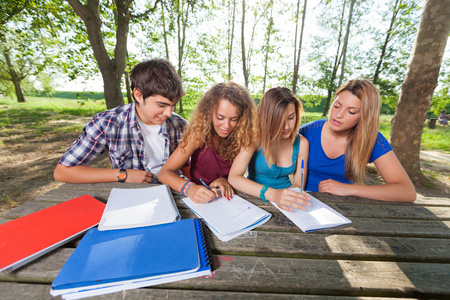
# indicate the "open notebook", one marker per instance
pixel 315 217
pixel 129 208
pixel 229 219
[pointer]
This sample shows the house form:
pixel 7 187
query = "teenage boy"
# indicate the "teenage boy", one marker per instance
pixel 139 136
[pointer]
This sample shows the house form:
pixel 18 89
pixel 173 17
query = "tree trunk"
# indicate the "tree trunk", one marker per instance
pixel 419 84
pixel 344 48
pixel 297 52
pixel 182 17
pixel 231 38
pixel 128 87
pixel 337 62
pixel 112 89
pixel 111 69
pixel 14 77
pixel 163 17
pixel 266 56
pixel 396 9
pixel 244 60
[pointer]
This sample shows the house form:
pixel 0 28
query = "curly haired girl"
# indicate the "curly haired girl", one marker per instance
pixel 221 124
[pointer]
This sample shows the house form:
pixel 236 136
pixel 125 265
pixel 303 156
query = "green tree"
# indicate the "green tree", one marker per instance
pixel 107 25
pixel 419 84
pixel 27 43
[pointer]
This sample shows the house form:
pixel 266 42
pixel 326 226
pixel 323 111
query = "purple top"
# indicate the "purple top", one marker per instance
pixel 208 165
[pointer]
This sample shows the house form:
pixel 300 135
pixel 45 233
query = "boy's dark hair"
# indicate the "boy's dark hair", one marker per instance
pixel 157 77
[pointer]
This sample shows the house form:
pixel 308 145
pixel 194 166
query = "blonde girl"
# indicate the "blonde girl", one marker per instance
pixel 342 145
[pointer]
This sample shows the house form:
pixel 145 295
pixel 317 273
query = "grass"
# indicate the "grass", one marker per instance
pixel 41 114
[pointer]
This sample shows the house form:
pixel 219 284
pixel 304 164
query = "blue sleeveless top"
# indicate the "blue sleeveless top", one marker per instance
pixel 274 176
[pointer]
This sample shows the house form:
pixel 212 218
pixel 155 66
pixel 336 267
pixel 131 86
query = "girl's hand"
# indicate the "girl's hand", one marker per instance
pixel 333 187
pixel 287 199
pixel 200 194
pixel 224 186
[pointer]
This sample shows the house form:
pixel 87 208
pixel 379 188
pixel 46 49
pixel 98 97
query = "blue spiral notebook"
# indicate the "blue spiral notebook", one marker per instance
pixel 116 260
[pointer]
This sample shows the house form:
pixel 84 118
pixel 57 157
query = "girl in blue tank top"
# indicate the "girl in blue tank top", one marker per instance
pixel 277 155
pixel 342 145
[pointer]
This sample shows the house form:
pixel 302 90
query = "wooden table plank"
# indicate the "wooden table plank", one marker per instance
pixel 329 198
pixel 347 209
pixel 9 291
pixel 261 243
pixel 288 276
pixel 278 222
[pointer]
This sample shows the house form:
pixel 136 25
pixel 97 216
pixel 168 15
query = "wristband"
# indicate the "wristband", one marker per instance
pixel 262 192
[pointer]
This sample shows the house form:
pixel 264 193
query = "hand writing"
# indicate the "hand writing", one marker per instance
pixel 200 194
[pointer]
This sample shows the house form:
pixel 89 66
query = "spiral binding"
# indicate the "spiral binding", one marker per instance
pixel 205 245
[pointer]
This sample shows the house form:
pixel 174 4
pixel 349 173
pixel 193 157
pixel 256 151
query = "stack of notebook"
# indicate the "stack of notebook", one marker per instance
pixel 112 260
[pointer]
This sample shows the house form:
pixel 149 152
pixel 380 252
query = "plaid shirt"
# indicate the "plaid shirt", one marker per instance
pixel 116 130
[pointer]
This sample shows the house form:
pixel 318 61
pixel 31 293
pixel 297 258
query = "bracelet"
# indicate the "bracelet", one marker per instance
pixel 185 188
pixel 262 192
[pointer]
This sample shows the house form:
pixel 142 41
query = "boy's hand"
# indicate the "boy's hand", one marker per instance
pixel 139 176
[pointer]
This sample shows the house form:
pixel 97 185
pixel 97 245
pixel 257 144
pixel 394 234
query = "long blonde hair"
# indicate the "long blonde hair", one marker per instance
pixel 362 138
pixel 272 113
pixel 201 131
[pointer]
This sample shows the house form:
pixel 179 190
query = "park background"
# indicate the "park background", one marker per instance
pixel 64 61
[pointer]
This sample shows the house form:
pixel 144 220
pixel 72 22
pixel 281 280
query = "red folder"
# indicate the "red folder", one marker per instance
pixel 27 238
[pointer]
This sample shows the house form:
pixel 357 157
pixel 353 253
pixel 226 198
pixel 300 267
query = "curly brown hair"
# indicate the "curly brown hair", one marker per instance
pixel 200 129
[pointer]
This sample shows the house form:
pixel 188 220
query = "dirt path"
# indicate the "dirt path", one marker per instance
pixel 27 162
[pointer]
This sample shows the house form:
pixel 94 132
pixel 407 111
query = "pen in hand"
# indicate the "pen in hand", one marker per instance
pixel 302 170
pixel 204 183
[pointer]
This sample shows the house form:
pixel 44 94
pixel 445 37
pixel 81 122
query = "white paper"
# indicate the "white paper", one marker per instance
pixel 129 208
pixel 229 219
pixel 315 217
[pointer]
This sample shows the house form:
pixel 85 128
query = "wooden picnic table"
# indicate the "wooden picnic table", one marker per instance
pixel 389 250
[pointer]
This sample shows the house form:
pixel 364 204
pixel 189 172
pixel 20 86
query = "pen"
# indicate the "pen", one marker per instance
pixel 206 186
pixel 302 170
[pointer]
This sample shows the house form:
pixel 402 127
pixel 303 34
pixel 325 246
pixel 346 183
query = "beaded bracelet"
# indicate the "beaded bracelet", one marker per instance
pixel 262 192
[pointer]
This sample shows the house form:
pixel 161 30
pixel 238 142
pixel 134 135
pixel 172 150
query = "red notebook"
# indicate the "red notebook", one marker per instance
pixel 27 238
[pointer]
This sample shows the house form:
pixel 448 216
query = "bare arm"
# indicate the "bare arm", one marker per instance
pixel 282 198
pixel 86 174
pixel 397 188
pixel 168 174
